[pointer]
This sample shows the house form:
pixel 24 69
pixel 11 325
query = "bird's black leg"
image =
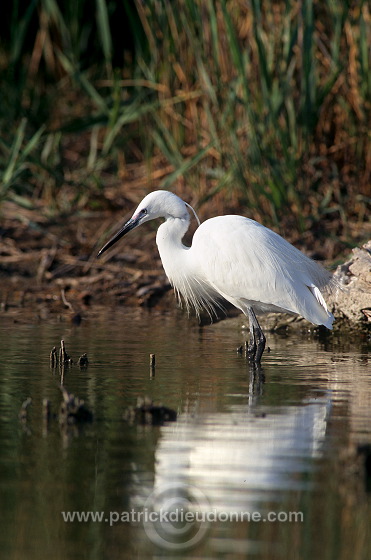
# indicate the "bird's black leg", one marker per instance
pixel 256 345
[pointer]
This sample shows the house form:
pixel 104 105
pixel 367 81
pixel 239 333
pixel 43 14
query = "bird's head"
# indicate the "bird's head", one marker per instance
pixel 157 204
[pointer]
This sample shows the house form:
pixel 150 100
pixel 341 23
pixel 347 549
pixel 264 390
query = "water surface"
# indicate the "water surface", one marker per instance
pixel 289 442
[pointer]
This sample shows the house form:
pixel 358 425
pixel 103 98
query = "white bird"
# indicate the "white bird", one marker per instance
pixel 235 259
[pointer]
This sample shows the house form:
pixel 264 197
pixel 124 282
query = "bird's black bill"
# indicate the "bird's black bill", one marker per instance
pixel 131 224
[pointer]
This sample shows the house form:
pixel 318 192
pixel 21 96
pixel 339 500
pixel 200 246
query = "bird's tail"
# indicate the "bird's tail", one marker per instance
pixel 328 317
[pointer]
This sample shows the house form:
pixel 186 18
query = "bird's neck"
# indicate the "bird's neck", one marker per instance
pixel 169 242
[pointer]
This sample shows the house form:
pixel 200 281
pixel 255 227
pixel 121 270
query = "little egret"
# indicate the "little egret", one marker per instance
pixel 235 259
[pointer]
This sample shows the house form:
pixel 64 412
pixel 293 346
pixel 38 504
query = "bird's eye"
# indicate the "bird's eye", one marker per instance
pixel 143 212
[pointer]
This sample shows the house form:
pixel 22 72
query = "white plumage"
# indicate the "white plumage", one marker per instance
pixel 236 259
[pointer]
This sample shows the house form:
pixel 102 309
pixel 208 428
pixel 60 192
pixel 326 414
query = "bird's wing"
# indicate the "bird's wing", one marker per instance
pixel 248 263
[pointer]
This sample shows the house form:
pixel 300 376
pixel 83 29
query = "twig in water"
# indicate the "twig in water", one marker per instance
pixel 23 411
pixel 152 365
pixel 83 361
pixel 53 357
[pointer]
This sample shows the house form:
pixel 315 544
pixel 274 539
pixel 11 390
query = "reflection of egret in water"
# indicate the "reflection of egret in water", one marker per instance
pixel 235 458
pixel 240 461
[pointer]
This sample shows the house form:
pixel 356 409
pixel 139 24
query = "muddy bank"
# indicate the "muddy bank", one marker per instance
pixel 51 267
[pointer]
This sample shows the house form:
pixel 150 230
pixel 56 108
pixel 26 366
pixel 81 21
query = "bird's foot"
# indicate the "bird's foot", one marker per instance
pixel 250 349
pixel 256 345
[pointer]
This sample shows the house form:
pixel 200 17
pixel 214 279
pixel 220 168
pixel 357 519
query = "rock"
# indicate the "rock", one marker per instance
pixel 73 410
pixel 353 300
pixel 146 413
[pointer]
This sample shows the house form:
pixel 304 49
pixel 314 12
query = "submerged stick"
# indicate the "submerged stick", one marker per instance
pixel 83 361
pixel 63 356
pixel 53 357
pixel 23 410
pixel 152 365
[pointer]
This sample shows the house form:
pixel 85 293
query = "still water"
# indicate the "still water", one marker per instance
pixel 266 465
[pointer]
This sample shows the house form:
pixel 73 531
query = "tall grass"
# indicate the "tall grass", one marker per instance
pixel 274 79
pixel 264 104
